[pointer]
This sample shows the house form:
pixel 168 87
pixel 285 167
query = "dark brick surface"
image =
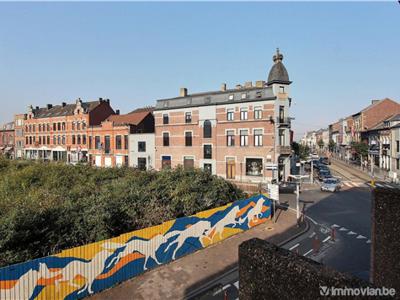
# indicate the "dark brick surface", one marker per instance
pixel 386 238
pixel 269 272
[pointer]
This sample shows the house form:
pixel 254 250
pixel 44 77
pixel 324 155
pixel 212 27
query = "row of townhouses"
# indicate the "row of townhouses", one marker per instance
pixel 242 134
pixel 377 125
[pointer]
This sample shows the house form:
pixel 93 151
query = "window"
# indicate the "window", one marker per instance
pixel 84 139
pixel 58 140
pixel 188 139
pixel 166 162
pixel 90 142
pixel 54 126
pixel 40 139
pixel 165 139
pixel 63 126
pixel 165 119
pixel 73 140
pixel 258 112
pixel 97 142
pixel 188 163
pixel 230 114
pixel 243 114
pixel 258 137
pixel 78 126
pixel 207 149
pixel 27 140
pixel 230 97
pixel 83 125
pixel 118 142
pixel 207 130
pixel 48 127
pixel 188 117
pixel 40 127
pixel 397 163
pixel 63 139
pixel 30 128
pixel 142 163
pixel 281 114
pixel 397 146
pixel 254 166
pixel 126 143
pixel 244 95
pixel 79 141
pixel 107 144
pixel 59 126
pixel 48 140
pixel 281 89
pixel 73 125
pixel 207 168
pixel 141 146
pixel 33 128
pixel 230 138
pixel 244 137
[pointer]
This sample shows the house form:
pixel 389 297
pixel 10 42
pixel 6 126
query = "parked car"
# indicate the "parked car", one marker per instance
pixel 287 187
pixel 324 160
pixel 331 185
pixel 324 174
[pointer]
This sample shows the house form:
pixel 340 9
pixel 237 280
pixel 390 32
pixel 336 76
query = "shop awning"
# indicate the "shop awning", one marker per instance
pixel 8 149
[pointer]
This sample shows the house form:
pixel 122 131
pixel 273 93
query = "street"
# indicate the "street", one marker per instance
pixel 338 235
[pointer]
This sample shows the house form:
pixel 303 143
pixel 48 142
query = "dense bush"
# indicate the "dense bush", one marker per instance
pixel 47 207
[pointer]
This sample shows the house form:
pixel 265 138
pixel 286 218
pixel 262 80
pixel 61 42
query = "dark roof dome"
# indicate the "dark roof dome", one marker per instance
pixel 278 72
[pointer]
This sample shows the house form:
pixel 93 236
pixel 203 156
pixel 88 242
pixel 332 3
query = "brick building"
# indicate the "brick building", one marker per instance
pixel 7 139
pixel 241 134
pixel 60 132
pixel 109 141
pixel 19 125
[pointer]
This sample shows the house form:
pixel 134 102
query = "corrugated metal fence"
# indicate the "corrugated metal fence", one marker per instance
pixel 78 272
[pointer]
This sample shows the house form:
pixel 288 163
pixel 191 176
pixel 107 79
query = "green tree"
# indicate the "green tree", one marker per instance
pixel 296 148
pixel 321 144
pixel 304 152
pixel 331 145
pixel 360 149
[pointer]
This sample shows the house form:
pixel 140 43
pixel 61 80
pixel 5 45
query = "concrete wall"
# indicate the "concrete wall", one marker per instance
pixel 269 272
pixel 385 252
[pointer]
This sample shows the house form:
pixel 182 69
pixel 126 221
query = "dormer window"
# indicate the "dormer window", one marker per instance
pixel 230 97
pixel 244 95
pixel 281 89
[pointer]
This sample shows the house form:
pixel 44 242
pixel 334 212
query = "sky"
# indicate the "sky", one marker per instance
pixel 339 55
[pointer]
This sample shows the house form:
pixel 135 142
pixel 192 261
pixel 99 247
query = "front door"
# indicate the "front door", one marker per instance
pixel 230 169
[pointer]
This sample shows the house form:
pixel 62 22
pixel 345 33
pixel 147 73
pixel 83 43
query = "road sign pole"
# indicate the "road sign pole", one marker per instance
pixel 312 172
pixel 297 203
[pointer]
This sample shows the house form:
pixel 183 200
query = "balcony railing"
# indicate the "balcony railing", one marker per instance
pixel 284 150
pixel 284 121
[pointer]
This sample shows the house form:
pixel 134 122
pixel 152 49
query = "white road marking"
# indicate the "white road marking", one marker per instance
pixel 343 229
pixel 351 233
pixel 328 238
pixel 308 252
pixel 312 235
pixel 335 225
pixel 295 246
pixel 378 184
pixel 361 237
pixel 389 186
pixel 368 242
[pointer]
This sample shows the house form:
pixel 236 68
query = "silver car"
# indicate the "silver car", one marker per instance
pixel 331 185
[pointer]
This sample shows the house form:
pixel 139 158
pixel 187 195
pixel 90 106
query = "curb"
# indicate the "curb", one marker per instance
pixel 211 284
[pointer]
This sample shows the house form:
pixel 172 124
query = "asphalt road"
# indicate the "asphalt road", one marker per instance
pixel 339 233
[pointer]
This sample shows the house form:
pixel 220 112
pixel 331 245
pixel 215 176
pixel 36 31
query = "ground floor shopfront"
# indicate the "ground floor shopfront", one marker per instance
pixel 57 154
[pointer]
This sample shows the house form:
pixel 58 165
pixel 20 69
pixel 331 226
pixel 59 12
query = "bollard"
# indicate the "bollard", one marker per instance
pixel 297 251
pixel 316 244
pixel 333 234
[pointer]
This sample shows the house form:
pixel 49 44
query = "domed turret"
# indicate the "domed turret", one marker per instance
pixel 278 72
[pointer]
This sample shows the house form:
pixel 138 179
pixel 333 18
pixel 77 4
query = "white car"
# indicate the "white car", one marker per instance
pixel 331 185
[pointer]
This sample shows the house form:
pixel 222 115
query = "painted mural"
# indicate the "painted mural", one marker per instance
pixel 78 272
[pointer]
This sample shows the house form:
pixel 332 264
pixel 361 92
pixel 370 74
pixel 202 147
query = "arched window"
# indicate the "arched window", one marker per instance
pixel 58 140
pixel 79 139
pixel 63 140
pixel 207 130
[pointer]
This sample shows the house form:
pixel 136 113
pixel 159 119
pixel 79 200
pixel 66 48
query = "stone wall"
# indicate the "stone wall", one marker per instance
pixel 269 272
pixel 385 252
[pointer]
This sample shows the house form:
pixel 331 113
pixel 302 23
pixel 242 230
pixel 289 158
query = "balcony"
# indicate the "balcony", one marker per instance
pixel 284 121
pixel 284 150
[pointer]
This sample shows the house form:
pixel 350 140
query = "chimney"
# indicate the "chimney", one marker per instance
pixel 37 107
pixel 183 92
pixel 117 111
pixel 108 101
pixel 223 87
pixel 238 86
pixel 63 104
pixel 260 83
pixel 100 99
pixel 248 84
pixel 374 101
pixel 49 106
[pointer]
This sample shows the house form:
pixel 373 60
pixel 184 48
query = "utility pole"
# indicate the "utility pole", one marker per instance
pixel 312 172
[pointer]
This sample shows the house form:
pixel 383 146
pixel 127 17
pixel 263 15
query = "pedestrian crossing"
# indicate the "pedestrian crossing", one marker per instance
pixel 357 184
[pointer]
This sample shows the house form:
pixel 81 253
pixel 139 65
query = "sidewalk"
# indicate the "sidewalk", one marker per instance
pixel 178 278
pixel 351 171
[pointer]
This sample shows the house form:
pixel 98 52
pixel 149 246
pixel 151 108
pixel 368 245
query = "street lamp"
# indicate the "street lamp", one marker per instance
pixel 298 179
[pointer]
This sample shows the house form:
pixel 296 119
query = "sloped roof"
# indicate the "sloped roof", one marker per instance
pixel 278 72
pixel 133 118
pixel 60 110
